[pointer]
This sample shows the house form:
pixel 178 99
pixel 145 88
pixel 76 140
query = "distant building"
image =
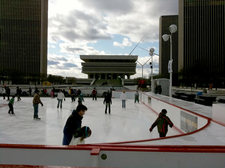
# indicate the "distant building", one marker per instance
pixel 164 47
pixel 23 37
pixel 109 66
pixel 202 40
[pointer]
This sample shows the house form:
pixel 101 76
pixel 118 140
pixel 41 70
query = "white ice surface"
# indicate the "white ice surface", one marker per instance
pixel 127 124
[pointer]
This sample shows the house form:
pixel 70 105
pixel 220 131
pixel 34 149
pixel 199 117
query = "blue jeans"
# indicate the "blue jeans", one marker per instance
pixel 107 105
pixel 123 103
pixel 67 139
pixel 35 110
pixel 59 103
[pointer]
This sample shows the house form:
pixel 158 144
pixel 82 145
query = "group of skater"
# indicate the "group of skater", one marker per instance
pixel 73 132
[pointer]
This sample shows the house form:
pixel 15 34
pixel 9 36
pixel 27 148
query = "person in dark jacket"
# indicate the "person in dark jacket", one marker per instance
pixel 94 94
pixel 7 92
pixel 18 93
pixel 73 124
pixel 107 101
pixel 162 123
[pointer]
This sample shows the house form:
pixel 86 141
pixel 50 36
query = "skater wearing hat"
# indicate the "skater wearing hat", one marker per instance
pixel 80 135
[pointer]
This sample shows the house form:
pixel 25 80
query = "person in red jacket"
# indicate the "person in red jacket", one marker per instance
pixel 162 123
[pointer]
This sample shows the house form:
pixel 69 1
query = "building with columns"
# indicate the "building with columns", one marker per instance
pixel 109 66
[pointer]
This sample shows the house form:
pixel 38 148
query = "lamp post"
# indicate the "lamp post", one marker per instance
pixel 166 37
pixel 151 53
pixel 142 66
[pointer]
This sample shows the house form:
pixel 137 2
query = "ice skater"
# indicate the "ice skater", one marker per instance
pixel 94 94
pixel 3 92
pixel 36 101
pixel 162 123
pixel 7 90
pixel 123 97
pixel 73 124
pixel 60 98
pixel 10 104
pixel 107 101
pixel 136 97
pixel 80 98
pixel 18 93
pixel 80 135
pixel 30 91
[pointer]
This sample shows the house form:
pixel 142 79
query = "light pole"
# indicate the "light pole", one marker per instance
pixel 142 65
pixel 166 37
pixel 151 53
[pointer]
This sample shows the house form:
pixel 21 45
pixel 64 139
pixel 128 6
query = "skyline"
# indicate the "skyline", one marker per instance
pixel 102 27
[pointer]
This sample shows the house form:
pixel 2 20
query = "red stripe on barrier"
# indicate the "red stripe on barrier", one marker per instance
pixel 95 151
pixel 174 127
pixel 156 139
pixel 146 148
pixel 32 166
pixel 222 124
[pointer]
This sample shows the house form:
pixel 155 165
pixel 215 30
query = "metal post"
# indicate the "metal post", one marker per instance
pixel 171 70
pixel 152 82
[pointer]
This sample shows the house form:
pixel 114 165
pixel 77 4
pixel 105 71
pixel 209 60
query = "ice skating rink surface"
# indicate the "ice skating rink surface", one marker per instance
pixel 127 124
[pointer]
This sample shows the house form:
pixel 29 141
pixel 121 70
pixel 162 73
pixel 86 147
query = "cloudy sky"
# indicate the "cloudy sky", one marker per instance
pixel 79 27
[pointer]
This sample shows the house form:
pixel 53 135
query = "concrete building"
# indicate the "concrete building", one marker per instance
pixel 202 40
pixel 23 37
pixel 109 66
pixel 164 47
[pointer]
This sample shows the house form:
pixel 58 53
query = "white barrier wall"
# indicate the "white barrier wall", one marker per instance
pixel 124 157
pixel 218 112
pixel 182 119
pixel 129 94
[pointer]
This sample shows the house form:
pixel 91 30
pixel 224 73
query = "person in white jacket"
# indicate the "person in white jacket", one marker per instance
pixel 123 97
pixel 3 92
pixel 60 98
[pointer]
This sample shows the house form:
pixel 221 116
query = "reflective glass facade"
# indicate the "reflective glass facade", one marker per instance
pixel 164 47
pixel 23 36
pixel 202 38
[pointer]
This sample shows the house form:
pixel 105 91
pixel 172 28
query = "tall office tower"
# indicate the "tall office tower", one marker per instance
pixel 164 47
pixel 23 37
pixel 202 40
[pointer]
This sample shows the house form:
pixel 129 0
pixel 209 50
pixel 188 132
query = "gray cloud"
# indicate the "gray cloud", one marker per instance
pixel 69 65
pixel 62 59
pixel 50 62
pixel 115 6
pixel 78 26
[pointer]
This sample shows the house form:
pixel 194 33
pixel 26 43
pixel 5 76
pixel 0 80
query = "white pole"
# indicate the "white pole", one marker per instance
pixel 171 70
pixel 152 83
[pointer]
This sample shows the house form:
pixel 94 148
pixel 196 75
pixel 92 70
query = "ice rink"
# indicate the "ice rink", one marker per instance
pixel 127 124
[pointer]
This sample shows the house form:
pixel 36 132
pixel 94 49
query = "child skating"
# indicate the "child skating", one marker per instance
pixel 123 97
pixel 10 104
pixel 80 135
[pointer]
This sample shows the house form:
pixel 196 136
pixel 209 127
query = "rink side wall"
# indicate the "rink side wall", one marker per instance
pixel 125 156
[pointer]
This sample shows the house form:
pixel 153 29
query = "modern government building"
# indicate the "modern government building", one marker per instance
pixel 199 44
pixel 164 47
pixel 23 36
pixel 202 39
pixel 109 66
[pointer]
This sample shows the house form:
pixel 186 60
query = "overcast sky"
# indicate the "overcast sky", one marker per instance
pixel 79 27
